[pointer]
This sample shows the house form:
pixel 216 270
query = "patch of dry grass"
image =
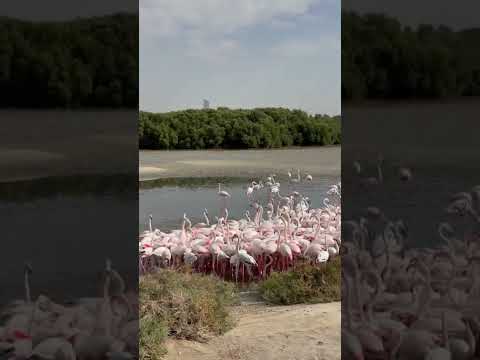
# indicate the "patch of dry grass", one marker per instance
pixel 305 284
pixel 183 305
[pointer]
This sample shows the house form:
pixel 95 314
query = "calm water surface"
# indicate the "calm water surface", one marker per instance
pixel 439 142
pixel 189 180
pixel 168 203
pixel 67 257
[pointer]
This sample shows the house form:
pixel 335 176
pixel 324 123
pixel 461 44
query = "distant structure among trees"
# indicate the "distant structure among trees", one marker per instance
pixel 206 104
pixel 237 129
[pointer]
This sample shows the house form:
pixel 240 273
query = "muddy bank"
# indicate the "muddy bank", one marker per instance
pixel 233 163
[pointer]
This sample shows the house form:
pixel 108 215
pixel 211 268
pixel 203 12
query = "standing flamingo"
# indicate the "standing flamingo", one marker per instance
pixel 223 195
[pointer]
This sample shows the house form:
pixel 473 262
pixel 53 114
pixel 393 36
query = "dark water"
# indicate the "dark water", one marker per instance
pixel 169 201
pixel 68 199
pixel 47 229
pixel 439 142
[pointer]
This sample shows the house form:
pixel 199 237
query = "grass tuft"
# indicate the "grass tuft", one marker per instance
pixel 183 305
pixel 305 284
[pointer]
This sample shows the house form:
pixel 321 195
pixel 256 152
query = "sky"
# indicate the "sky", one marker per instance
pixel 240 54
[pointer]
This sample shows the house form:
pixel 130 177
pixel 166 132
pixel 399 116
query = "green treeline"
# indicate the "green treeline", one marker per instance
pixel 236 129
pixel 381 59
pixel 80 63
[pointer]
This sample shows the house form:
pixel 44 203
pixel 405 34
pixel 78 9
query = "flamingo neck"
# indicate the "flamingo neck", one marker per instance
pixel 27 288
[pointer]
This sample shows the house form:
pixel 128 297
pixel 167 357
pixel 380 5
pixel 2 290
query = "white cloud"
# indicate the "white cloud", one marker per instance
pixel 282 24
pixel 240 53
pixel 211 50
pixel 206 28
pixel 167 17
pixel 303 48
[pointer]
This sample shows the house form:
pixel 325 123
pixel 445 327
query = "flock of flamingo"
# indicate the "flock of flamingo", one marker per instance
pixel 105 327
pixel 400 302
pixel 276 237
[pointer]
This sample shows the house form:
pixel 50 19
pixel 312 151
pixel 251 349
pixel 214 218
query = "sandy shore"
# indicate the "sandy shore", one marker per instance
pixel 318 161
pixel 299 332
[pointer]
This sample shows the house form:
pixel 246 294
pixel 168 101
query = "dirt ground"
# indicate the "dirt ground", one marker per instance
pixel 300 332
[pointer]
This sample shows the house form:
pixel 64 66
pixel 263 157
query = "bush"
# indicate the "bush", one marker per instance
pixel 153 333
pixel 384 59
pixel 91 62
pixel 305 284
pixel 183 305
pixel 236 129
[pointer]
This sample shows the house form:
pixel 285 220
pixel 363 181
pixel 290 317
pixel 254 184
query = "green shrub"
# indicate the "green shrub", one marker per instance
pixel 183 305
pixel 236 129
pixel 305 284
pixel 153 332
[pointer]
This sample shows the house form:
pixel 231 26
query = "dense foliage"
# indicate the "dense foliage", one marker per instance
pixel 184 306
pixel 381 59
pixel 85 62
pixel 228 128
pixel 304 284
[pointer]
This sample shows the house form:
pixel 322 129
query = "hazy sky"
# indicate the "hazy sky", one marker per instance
pixel 246 53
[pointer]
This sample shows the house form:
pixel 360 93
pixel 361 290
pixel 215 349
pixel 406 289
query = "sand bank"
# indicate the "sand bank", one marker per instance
pixel 299 332
pixel 318 161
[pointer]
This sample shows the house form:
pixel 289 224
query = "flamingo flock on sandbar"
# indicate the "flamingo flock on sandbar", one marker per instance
pixel 104 327
pixel 278 235
pixel 407 303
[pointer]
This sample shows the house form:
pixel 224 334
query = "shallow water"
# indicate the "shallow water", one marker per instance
pixel 187 181
pixel 437 141
pixel 46 228
pixel 169 202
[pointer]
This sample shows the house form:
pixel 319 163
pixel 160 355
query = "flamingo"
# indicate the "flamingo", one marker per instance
pixel 405 174
pixel 87 328
pixel 294 180
pixel 375 180
pixel 424 302
pixel 223 195
pixel 292 230
pixel 250 190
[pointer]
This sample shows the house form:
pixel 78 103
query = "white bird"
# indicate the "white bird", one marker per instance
pixel 222 193
pixel 357 167
pixel 245 258
pixel 250 190
pixel 189 257
pixel 322 257
pixel 294 180
pixel 55 348
pixel 405 174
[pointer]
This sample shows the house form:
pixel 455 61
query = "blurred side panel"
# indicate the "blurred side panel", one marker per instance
pixel 69 179
pixel 410 177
